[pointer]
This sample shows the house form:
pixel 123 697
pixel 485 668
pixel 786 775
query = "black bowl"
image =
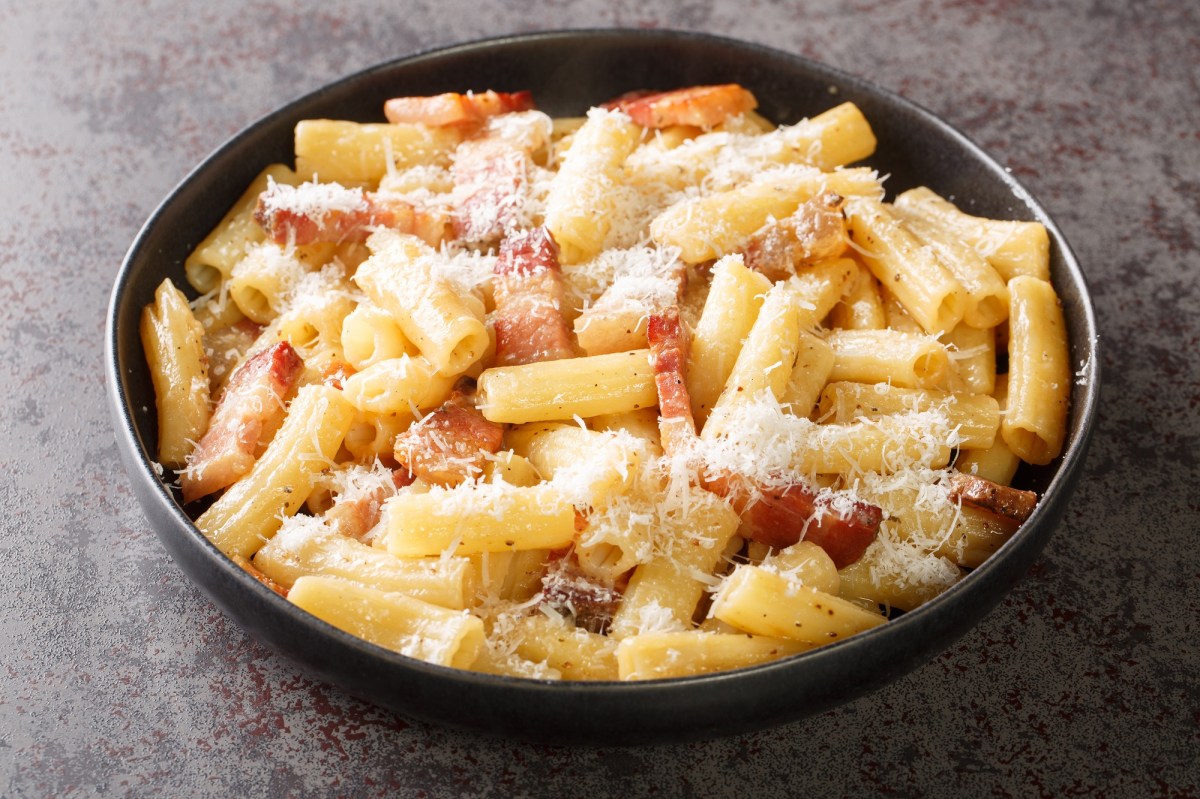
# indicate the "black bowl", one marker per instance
pixel 568 71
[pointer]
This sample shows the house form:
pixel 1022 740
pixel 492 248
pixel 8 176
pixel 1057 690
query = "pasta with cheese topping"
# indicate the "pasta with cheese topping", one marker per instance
pixel 654 392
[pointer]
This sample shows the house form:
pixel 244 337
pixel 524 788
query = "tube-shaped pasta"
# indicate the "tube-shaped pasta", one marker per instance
pixel 766 358
pixel 358 154
pixel 572 651
pixel 478 517
pixel 1039 377
pixel 814 362
pixel 310 547
pixel 808 563
pixel 886 445
pixel 261 284
pixel 372 435
pixel 910 270
pixel 213 260
pixel 251 510
pixel 729 312
pixel 881 356
pixel 173 342
pixel 986 294
pixel 371 334
pixel 975 417
pixel 399 278
pixel 878 579
pixel 393 621
pixel 997 463
pixel 720 223
pixel 581 200
pixel 585 387
pixel 659 655
pixel 606 471
pixel 820 287
pixel 1012 247
pixel 762 602
pixel 666 590
pixel 861 308
pixel 397 385
pixel 973 352
pixel 312 323
pixel 833 138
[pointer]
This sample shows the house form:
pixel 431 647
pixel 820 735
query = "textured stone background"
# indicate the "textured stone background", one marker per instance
pixel 119 678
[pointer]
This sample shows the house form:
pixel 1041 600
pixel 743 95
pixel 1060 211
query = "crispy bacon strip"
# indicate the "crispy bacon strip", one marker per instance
pixel 1005 501
pixel 816 230
pixel 313 213
pixel 529 293
pixel 568 590
pixel 455 109
pixel 779 517
pixel 776 516
pixel 450 444
pixel 252 403
pixel 357 516
pixel 490 174
pixel 700 106
pixel 669 348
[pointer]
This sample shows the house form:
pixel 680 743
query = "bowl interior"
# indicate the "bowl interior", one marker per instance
pixel 568 72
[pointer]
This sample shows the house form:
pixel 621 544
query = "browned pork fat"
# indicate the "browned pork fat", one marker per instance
pixel 251 404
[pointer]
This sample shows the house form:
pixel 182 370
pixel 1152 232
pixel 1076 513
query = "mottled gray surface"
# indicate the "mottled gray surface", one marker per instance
pixel 117 677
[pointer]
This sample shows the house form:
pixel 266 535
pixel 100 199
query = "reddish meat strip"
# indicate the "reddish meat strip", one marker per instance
pixel 490 174
pixel 315 212
pixel 450 444
pixel 1004 501
pixel 252 403
pixel 453 108
pixel 669 348
pixel 569 591
pixel 700 106
pixel 779 517
pixel 358 516
pixel 816 230
pixel 529 293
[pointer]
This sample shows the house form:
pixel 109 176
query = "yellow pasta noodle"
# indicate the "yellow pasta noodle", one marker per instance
pixel 173 343
pixel 1039 376
pixel 251 510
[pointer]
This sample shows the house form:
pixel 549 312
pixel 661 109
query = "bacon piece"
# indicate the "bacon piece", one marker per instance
pixel 700 106
pixel 450 444
pixel 589 601
pixel 314 212
pixel 669 347
pixel 252 403
pixel 776 516
pixel 455 109
pixel 529 293
pixel 490 174
pixel 779 517
pixel 816 230
pixel 1004 501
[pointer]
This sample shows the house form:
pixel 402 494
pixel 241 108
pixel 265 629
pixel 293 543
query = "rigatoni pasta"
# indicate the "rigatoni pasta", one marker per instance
pixel 650 393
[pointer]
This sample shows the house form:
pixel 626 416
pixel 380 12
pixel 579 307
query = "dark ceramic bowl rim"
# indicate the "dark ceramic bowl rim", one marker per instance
pixel 578 703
